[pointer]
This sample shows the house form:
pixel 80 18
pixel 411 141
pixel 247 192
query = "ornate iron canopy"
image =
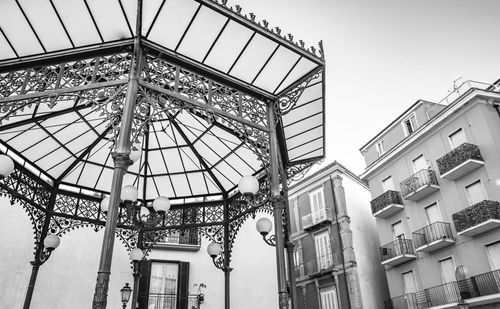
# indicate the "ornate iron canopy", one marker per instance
pixel 211 86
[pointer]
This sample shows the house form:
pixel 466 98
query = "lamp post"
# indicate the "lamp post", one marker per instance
pixel 220 260
pixel 264 226
pixel 136 256
pixel 125 292
pixel 50 243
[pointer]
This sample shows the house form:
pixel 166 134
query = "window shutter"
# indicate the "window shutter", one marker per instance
pixel 142 297
pixel 183 286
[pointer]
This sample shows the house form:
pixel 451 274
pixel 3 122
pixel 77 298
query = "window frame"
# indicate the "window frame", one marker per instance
pixel 380 147
pixel 392 181
pixel 405 128
pixel 313 192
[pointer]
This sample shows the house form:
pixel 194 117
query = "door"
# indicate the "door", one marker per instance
pixel 323 250
pixel 387 184
pixel 450 288
pixel 475 192
pixel 494 259
pixel 399 236
pixel 433 231
pixel 163 286
pixel 457 138
pixel 419 163
pixel 410 288
pixel 421 177
pixel 329 298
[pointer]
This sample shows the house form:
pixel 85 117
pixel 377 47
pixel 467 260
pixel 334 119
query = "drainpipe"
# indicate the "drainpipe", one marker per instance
pixel 340 241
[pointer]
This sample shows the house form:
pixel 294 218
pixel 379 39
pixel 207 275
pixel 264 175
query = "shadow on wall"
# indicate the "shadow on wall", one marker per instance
pixel 67 279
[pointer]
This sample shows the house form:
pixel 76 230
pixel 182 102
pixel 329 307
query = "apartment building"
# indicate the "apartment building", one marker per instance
pixel 434 177
pixel 335 242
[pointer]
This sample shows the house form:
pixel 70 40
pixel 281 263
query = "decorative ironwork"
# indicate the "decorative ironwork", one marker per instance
pixel 297 172
pixel 287 102
pixel 398 247
pixel 458 156
pixel 385 199
pixel 418 180
pixel 476 214
pixel 432 232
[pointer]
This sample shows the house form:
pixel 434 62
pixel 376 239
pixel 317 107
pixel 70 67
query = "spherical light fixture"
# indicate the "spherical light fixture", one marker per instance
pixel 161 204
pixel 144 214
pixel 51 242
pixel 6 166
pixel 135 155
pixel 105 205
pixel 129 194
pixel 214 249
pixel 264 226
pixel 248 185
pixel 136 254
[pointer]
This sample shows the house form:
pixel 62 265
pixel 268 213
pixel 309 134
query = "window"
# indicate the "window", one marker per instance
pixel 387 184
pixel 432 214
pixel 329 298
pixel 380 148
pixel 409 125
pixel 419 163
pixel 397 230
pixel 494 255
pixel 164 285
pixel 457 138
pixel 298 261
pixel 323 250
pixel 317 205
pixel 475 192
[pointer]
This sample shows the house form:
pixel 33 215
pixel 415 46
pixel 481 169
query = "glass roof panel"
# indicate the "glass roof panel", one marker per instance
pixel 229 45
pixel 202 33
pixel 149 10
pixel 198 183
pixel 230 172
pixel 304 110
pixel 77 21
pixel 302 124
pixel 181 185
pixel 159 159
pixel 303 67
pixel 48 29
pixel 305 149
pixel 298 140
pixel 55 167
pixel 191 163
pixel 5 51
pixel 172 22
pixel 212 186
pixel 312 92
pixel 15 26
pixel 206 153
pixel 276 69
pixel 159 186
pixel 253 58
pixel 225 181
pixel 238 163
pixel 112 26
pixel 130 8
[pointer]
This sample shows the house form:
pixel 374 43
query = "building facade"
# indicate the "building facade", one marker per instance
pixel 434 176
pixel 178 265
pixel 335 242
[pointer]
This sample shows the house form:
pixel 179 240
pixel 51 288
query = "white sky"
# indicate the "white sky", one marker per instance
pixel 383 55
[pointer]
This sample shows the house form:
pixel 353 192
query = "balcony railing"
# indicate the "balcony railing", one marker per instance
pixel 322 216
pixel 169 301
pixel 397 252
pixel 487 284
pixel 189 240
pixel 460 161
pixel 419 185
pixel 432 237
pixel 387 204
pixel 322 263
pixel 478 218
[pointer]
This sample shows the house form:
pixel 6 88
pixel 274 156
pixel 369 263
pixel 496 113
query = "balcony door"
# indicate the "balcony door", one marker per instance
pixel 432 215
pixel 448 278
pixel 475 192
pixel 399 237
pixel 317 205
pixel 457 138
pixel 419 163
pixel 323 250
pixel 388 184
pixel 410 287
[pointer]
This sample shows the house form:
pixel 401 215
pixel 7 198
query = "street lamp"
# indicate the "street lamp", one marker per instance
pixel 264 226
pixel 125 291
pixel 248 186
pixel 136 256
pixel 6 166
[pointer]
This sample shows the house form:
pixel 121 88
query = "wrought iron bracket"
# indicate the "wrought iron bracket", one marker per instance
pixel 270 240
pixel 41 257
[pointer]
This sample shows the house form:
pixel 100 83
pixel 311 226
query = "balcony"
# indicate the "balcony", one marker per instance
pixel 167 301
pixel 317 219
pixel 387 204
pixel 419 185
pixel 397 252
pixel 477 290
pixel 478 218
pixel 321 265
pixel 188 241
pixel 460 161
pixel 433 237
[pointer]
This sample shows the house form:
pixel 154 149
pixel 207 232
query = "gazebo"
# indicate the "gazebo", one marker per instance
pixel 196 92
